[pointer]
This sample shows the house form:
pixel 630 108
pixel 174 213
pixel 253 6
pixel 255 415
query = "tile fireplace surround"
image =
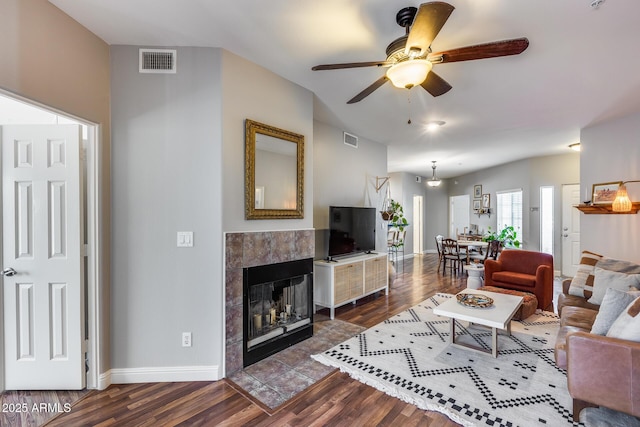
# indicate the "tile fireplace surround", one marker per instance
pixel 250 250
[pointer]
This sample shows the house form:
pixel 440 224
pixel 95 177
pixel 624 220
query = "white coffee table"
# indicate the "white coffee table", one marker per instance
pixel 497 316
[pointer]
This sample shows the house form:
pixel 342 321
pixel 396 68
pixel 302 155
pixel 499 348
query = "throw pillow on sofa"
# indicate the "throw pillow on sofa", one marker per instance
pixel 613 303
pixel 582 282
pixel 627 325
pixel 604 279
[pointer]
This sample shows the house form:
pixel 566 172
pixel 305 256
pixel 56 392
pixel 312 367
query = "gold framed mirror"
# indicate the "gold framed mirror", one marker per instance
pixel 274 172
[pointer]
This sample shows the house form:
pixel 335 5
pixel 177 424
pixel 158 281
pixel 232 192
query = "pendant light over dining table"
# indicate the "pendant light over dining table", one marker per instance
pixel 434 181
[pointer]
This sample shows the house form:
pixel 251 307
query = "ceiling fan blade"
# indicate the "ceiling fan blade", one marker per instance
pixel 369 90
pixel 435 85
pixel 352 65
pixel 428 22
pixel 481 51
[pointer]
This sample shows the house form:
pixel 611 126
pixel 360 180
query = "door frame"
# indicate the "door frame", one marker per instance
pixel 568 209
pixel 418 224
pixel 94 225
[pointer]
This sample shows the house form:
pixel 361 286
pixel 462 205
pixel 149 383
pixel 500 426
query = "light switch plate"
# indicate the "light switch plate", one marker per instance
pixel 185 239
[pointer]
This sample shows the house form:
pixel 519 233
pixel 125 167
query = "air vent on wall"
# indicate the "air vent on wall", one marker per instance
pixel 351 140
pixel 161 61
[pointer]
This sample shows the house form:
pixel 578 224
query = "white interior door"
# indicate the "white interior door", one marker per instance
pixel 459 213
pixel 43 307
pixel 570 229
pixel 418 218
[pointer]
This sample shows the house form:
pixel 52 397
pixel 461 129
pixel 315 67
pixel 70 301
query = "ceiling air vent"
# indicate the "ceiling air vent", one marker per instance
pixel 160 61
pixel 351 140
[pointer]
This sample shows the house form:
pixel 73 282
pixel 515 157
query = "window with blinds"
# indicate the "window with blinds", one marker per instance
pixel 509 210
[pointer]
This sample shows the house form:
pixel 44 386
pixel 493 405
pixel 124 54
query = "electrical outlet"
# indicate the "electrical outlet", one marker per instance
pixel 186 339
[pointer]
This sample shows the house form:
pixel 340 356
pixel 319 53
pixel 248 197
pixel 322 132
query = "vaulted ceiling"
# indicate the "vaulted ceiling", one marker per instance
pixel 581 67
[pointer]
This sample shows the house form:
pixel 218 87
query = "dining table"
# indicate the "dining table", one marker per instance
pixel 468 244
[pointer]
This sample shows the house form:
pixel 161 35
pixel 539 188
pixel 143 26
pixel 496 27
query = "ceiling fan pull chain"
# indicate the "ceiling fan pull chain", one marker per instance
pixel 409 101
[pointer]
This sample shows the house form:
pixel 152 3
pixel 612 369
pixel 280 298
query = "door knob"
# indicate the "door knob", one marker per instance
pixel 566 229
pixel 8 272
pixel 565 235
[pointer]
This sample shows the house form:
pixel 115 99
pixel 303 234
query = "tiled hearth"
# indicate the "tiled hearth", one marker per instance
pixel 250 250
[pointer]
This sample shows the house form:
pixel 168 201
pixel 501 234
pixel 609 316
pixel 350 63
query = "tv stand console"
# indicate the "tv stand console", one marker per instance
pixel 346 280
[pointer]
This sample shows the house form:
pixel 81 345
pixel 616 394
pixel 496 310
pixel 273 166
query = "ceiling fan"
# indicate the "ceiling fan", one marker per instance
pixel 410 58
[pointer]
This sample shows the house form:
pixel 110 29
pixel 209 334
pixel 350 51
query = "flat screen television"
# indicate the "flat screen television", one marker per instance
pixel 351 230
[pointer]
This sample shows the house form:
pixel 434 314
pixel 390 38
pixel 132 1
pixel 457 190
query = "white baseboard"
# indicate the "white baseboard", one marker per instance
pixel 430 251
pixel 163 374
pixel 104 380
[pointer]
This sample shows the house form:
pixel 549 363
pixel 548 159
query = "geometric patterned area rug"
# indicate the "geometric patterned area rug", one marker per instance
pixel 408 357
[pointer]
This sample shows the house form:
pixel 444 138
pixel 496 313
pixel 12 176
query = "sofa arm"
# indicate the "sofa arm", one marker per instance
pixel 491 266
pixel 566 283
pixel 604 371
pixel 544 286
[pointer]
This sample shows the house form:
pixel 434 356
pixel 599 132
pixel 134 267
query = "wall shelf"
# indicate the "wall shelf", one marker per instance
pixel 606 209
pixel 485 211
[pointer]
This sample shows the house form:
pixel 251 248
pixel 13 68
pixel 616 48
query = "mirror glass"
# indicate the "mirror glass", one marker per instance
pixel 274 172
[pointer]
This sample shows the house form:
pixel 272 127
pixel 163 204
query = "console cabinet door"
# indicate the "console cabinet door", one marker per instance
pixel 347 282
pixel 375 274
pixel 356 279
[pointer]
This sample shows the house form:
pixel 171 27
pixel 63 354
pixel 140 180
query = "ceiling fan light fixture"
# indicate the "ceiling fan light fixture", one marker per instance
pixel 435 125
pixel 407 74
pixel 434 181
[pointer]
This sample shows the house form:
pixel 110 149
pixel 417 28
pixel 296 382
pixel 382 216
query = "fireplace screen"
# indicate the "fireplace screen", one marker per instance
pixel 278 307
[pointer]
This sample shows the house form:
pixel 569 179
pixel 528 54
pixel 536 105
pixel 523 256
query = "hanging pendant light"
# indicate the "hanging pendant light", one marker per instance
pixel 434 181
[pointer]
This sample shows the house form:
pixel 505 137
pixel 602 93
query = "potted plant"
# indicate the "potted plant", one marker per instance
pixel 397 218
pixel 508 236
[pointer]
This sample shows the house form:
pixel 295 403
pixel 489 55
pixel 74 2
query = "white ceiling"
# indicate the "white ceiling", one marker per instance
pixel 581 67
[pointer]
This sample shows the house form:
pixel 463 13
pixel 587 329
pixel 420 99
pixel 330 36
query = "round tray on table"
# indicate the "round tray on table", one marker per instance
pixel 474 300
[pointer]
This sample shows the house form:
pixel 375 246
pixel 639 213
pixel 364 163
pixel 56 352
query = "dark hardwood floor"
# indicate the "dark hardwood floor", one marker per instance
pixel 336 400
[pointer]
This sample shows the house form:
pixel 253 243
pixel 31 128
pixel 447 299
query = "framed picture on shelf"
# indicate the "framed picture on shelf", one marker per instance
pixel 605 193
pixel 486 201
pixel 477 191
pixel 477 204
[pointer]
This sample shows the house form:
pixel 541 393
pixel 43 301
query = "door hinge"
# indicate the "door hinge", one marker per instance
pixel 85 250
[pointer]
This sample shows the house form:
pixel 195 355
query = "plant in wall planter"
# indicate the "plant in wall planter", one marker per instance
pixel 396 215
pixel 508 236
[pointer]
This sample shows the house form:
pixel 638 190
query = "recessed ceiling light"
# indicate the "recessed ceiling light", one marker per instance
pixel 431 126
pixel 575 147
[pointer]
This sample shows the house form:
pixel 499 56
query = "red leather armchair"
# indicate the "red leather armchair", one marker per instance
pixel 525 271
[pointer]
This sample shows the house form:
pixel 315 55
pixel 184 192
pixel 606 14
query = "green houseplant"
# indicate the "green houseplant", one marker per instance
pixel 397 219
pixel 394 213
pixel 508 236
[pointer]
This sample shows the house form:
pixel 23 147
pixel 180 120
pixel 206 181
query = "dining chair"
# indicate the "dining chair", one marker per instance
pixel 494 249
pixel 439 238
pixel 451 253
pixel 491 252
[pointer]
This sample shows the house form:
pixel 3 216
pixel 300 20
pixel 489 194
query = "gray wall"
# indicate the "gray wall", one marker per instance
pixel 345 176
pixel 167 177
pixel 611 152
pixel 529 175
pixel 253 92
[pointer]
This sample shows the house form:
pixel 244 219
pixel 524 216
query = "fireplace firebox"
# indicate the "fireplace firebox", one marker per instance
pixel 277 309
